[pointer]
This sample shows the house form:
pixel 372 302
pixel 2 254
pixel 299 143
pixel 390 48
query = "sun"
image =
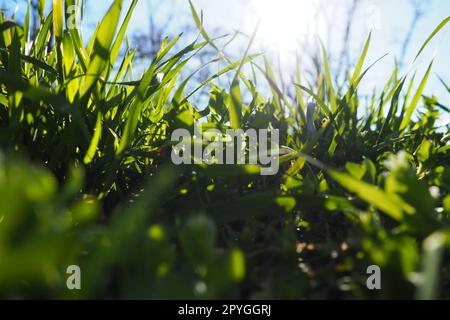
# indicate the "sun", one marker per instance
pixel 283 22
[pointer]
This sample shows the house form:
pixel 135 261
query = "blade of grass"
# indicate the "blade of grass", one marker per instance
pixel 433 251
pixel 235 106
pixel 432 35
pixel 94 141
pixel 328 80
pixel 412 106
pixel 103 39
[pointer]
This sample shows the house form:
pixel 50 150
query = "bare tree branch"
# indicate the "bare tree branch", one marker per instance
pixel 419 12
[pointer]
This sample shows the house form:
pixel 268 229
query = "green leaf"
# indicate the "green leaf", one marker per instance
pixel 433 251
pixel 101 48
pixel 41 9
pixel 135 110
pixel 236 265
pixel 412 106
pixel 369 193
pixel 43 36
pixel 58 23
pixel 392 110
pixel 225 70
pixel 328 80
pixel 435 31
pixel 446 204
pixel 362 58
pixel 424 151
pixel 357 171
pixel 198 23
pixel 121 34
pixel 95 140
pixel 26 25
pixel 37 63
pixel 235 107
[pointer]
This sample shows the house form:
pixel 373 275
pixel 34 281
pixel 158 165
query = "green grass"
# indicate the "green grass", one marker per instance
pixel 86 176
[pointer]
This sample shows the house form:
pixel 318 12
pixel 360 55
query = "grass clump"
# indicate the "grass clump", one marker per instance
pixel 86 177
